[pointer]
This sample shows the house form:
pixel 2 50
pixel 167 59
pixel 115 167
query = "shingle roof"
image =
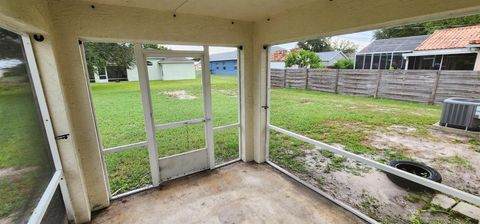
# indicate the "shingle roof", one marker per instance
pixel 451 38
pixel 279 56
pixel 329 55
pixel 225 56
pixel 399 44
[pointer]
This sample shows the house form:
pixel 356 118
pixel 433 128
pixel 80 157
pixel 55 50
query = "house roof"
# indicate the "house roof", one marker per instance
pixel 329 55
pixel 279 56
pixel 399 44
pixel 225 56
pixel 232 55
pixel 451 38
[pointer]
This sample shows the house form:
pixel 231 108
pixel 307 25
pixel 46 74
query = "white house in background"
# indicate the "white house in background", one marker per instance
pixel 158 69
pixel 327 58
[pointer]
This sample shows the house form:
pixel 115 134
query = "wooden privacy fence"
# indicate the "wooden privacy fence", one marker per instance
pixel 423 86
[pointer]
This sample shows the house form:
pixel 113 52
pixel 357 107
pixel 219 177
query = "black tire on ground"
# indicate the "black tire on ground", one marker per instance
pixel 418 169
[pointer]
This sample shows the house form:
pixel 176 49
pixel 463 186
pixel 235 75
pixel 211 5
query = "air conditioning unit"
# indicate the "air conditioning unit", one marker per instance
pixel 461 113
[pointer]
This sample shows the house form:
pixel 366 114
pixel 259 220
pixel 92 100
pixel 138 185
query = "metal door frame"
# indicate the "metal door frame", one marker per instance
pixel 194 157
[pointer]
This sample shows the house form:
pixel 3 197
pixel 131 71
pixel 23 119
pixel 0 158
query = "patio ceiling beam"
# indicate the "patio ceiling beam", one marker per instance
pixel 327 18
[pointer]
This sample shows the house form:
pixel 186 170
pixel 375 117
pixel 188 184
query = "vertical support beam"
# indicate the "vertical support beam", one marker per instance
pixel 284 78
pixel 306 78
pixel 260 108
pixel 379 80
pixel 477 62
pixel 441 64
pixel 240 95
pixel 207 107
pixel 148 114
pixel 267 103
pixel 56 100
pixel 337 77
pixel 435 87
pixel 248 106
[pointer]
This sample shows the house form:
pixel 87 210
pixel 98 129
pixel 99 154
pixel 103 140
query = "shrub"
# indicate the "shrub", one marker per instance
pixel 303 59
pixel 346 63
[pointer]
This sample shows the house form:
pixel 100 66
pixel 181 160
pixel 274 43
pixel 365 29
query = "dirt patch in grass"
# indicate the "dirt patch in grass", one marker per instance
pixel 14 172
pixel 451 155
pixel 369 189
pixel 227 92
pixel 179 94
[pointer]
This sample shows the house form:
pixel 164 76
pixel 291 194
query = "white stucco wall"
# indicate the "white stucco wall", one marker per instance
pixel 178 71
pixel 165 71
pixel 154 71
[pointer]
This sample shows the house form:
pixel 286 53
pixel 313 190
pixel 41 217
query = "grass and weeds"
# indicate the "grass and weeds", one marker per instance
pixel 340 119
pixel 458 160
pixel 475 143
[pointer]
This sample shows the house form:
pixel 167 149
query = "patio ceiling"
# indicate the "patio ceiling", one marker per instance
pixel 246 10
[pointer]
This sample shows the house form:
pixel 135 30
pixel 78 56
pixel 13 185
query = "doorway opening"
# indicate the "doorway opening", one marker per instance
pixel 170 119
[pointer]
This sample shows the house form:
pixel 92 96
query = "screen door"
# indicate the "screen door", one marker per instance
pixel 176 98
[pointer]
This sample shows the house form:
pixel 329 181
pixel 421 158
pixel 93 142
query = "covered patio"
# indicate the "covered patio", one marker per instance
pixel 190 187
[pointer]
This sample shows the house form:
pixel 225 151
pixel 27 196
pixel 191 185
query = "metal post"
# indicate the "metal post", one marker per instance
pixel 267 105
pixel 148 113
pixel 240 93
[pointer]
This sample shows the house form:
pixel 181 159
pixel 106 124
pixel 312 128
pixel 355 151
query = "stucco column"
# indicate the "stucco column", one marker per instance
pixel 61 121
pixel 75 84
pixel 260 66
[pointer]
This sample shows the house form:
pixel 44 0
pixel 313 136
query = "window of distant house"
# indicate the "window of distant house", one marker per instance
pixel 224 67
pixel 102 73
pixel 149 63
pixel 235 67
pixel 359 61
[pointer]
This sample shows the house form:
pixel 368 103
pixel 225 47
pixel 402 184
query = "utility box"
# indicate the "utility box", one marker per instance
pixel 461 113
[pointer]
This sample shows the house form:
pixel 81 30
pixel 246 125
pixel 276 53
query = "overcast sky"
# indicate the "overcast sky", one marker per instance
pixel 362 39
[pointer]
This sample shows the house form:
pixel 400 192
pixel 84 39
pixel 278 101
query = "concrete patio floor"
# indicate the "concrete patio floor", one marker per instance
pixel 238 193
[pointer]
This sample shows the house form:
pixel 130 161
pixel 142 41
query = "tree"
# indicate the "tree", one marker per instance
pixel 154 46
pixel 303 59
pixel 325 44
pixel 316 45
pixel 345 46
pixel 99 55
pixel 426 27
pixel 11 45
pixel 346 63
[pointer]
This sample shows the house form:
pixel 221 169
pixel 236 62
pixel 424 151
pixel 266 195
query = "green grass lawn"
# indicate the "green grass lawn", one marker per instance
pixel 24 153
pixel 341 119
